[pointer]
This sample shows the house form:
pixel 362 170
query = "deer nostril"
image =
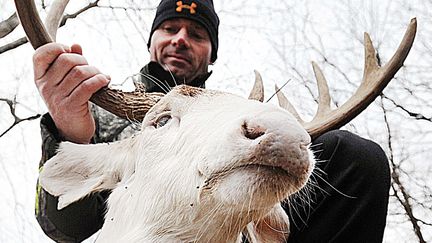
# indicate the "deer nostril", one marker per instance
pixel 252 132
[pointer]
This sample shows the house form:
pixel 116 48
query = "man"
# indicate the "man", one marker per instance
pixel 347 201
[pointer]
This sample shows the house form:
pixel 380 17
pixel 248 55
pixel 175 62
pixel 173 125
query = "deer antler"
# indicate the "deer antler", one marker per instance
pixel 129 105
pixel 375 79
pixel 257 92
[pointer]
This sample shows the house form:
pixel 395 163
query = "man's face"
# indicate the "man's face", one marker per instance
pixel 183 47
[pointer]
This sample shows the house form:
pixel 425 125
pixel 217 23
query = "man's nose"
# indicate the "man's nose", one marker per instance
pixel 181 38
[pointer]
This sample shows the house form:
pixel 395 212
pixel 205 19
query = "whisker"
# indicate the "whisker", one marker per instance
pixel 292 210
pixel 134 123
pixel 172 76
pixel 278 91
pixel 162 85
pixel 316 145
pixel 301 203
pixel 334 188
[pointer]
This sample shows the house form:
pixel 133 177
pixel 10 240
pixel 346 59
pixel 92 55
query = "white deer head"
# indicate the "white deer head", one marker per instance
pixel 204 165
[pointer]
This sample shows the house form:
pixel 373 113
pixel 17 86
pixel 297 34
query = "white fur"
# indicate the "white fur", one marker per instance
pixel 189 181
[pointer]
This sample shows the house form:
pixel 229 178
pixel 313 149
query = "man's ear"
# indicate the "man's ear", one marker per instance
pixel 78 170
pixel 273 228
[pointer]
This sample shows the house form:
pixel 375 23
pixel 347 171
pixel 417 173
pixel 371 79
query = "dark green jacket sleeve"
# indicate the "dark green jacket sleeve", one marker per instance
pixel 79 220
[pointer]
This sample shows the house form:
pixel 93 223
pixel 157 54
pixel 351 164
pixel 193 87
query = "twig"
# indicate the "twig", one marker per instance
pixel 12 104
pixel 8 25
pixel 415 115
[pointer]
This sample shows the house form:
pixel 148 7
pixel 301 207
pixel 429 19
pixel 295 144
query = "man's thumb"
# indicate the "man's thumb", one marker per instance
pixel 75 48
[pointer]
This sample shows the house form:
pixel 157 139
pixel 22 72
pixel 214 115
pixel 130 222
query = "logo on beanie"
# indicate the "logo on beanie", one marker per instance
pixel 181 6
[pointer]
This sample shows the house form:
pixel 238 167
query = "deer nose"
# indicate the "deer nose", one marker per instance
pixel 253 131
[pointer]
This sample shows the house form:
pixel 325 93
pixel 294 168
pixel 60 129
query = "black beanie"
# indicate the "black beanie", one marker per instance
pixel 201 11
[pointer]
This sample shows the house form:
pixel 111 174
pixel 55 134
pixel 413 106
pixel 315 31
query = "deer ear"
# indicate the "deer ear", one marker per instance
pixel 78 170
pixel 272 228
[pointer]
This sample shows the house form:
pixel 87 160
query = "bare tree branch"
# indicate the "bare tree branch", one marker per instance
pixel 66 17
pixel 12 105
pixel 417 116
pixel 13 45
pixel 8 25
pixel 397 185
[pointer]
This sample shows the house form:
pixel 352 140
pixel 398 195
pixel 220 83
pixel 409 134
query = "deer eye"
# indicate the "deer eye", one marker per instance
pixel 162 120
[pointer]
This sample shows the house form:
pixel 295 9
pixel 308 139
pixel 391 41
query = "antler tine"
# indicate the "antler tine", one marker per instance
pixel 371 62
pixel 285 104
pixel 323 98
pixel 257 92
pixel 375 79
pixel 128 105
pixel 323 92
pixel 54 17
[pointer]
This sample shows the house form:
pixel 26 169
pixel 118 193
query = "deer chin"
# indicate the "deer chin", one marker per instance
pixel 264 185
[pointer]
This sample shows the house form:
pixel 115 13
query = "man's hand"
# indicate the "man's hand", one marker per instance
pixel 66 82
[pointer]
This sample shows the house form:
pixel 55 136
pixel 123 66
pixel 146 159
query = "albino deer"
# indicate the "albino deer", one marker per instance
pixel 206 165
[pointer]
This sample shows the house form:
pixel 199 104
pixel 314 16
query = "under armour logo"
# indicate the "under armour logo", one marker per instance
pixel 181 6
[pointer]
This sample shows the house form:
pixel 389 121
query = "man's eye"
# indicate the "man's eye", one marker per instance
pixel 169 29
pixel 197 35
pixel 162 121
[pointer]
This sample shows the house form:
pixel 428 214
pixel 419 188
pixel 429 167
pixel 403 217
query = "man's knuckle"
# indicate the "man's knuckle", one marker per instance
pixel 37 57
pixel 68 59
pixel 99 78
pixel 39 83
pixel 86 86
pixel 77 72
pixel 62 60
pixel 43 90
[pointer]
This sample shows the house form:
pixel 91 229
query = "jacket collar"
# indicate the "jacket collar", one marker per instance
pixel 155 78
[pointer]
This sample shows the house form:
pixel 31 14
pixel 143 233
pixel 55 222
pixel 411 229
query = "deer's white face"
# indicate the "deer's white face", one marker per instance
pixel 226 150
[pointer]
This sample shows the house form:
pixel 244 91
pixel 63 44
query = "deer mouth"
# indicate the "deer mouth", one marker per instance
pixel 263 168
pixel 261 184
pixel 275 174
pixel 265 174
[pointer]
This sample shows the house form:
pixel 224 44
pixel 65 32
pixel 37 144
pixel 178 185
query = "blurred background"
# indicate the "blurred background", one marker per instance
pixel 277 38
